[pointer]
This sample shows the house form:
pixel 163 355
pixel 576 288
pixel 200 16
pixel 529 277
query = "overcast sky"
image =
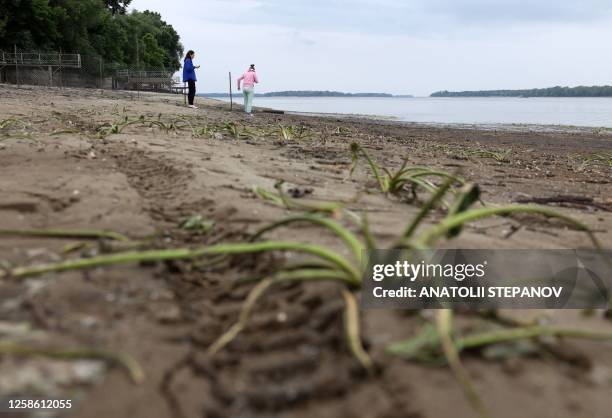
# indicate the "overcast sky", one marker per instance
pixel 395 46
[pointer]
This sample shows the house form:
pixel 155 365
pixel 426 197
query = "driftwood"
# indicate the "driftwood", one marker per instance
pixel 278 112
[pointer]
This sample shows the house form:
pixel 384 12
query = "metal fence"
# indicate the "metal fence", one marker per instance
pixel 56 69
pixel 151 79
pixel 40 59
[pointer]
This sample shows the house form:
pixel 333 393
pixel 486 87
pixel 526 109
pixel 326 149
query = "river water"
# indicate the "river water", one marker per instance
pixel 581 112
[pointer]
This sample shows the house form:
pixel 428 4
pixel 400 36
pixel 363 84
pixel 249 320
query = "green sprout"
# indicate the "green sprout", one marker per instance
pixel 500 157
pixel 394 183
pixel 197 223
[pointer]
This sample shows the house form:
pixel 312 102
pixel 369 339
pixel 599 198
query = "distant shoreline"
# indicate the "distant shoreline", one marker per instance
pixel 558 91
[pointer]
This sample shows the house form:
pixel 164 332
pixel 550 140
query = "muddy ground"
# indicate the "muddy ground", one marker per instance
pixel 57 171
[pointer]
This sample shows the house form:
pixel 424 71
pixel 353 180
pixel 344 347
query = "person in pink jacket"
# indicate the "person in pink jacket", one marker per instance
pixel 249 78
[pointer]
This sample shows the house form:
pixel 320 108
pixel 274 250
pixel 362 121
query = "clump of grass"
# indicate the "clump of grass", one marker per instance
pixel 175 125
pixel 289 132
pixel 197 223
pixel 107 129
pixel 280 198
pixel 205 131
pixel 6 123
pixel 395 182
pixel 500 157
pixel 285 132
pixel 604 158
pixel 232 129
pixel 15 128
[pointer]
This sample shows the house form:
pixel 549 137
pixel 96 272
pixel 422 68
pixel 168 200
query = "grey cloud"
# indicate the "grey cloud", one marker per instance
pixel 422 16
pixel 518 10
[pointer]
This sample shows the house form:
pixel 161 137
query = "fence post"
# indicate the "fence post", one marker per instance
pixel 59 59
pixel 16 68
pixel 230 86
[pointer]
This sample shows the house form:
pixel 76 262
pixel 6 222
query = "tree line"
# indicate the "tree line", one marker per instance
pixel 558 91
pixel 101 28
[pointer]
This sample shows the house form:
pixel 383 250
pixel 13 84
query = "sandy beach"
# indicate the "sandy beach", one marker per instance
pixel 68 162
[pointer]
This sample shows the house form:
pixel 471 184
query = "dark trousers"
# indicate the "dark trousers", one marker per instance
pixel 192 91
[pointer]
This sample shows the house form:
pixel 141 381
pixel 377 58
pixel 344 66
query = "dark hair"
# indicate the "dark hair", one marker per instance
pixel 189 54
pixel 252 67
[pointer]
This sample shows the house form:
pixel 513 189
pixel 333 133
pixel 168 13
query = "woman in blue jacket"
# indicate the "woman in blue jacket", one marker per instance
pixel 189 76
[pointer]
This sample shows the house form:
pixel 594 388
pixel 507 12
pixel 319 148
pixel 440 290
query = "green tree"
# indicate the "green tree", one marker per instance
pixel 151 54
pixel 76 20
pixel 98 28
pixel 117 6
pixel 28 24
pixel 558 91
pixel 111 40
pixel 139 23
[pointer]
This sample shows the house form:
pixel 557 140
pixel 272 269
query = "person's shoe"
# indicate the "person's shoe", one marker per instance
pixel 250 115
pixel 193 107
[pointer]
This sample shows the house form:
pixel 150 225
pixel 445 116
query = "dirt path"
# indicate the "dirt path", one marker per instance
pixel 56 171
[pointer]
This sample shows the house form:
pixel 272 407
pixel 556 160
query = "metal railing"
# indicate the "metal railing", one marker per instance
pixel 143 74
pixel 56 69
pixel 32 59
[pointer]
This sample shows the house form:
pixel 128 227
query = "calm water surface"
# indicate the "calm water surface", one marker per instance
pixel 588 112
